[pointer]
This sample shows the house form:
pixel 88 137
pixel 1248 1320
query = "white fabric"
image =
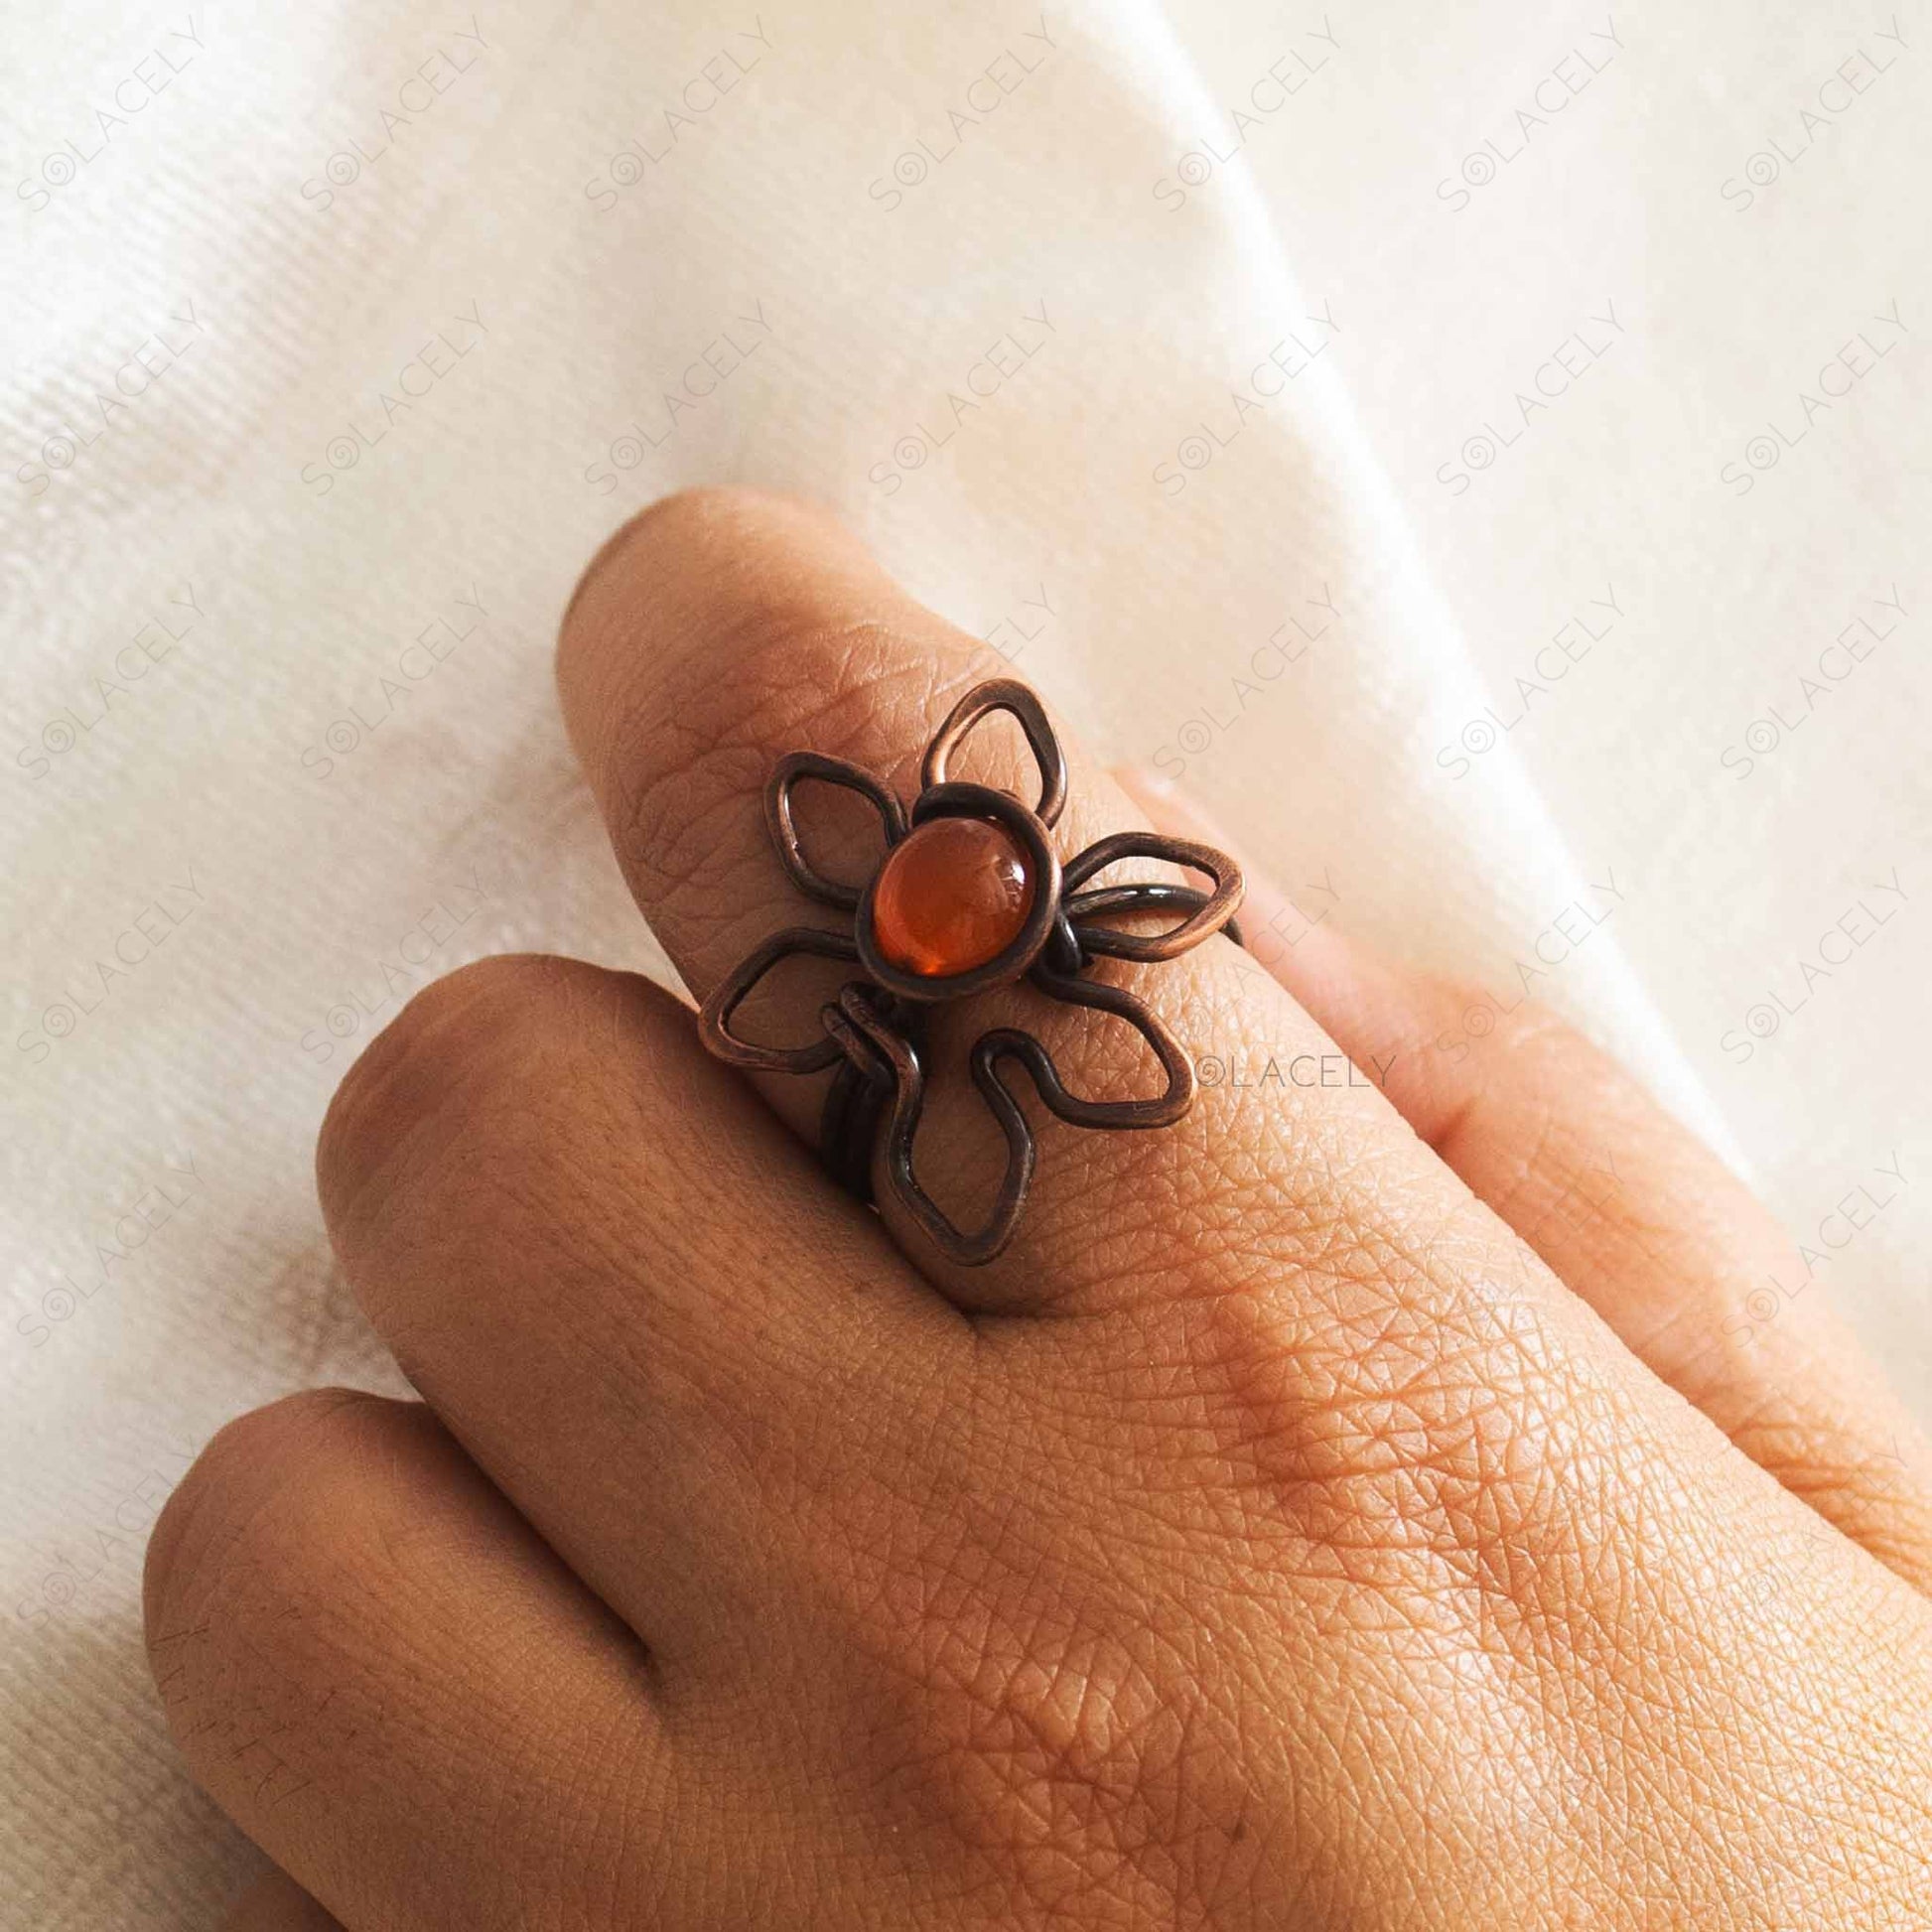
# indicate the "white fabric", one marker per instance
pixel 1276 448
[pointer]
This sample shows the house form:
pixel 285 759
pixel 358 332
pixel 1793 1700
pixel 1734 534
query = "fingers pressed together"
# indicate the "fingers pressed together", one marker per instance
pixel 1316 1503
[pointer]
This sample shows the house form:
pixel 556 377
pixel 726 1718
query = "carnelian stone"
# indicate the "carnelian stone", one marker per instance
pixel 951 894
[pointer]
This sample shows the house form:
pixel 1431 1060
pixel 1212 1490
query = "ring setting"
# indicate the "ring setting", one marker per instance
pixel 970 895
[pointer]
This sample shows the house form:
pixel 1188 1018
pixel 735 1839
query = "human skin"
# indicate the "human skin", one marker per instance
pixel 1351 1507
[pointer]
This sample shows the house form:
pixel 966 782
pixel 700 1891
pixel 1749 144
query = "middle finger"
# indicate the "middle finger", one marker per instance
pixel 722 630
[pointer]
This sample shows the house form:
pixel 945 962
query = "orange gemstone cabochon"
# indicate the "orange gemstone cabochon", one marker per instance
pixel 953 893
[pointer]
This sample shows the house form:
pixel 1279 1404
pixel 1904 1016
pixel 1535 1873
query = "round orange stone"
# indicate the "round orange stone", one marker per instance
pixel 951 894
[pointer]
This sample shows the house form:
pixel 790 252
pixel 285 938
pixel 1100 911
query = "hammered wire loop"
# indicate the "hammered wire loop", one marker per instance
pixel 873 1031
pixel 1011 696
pixel 795 765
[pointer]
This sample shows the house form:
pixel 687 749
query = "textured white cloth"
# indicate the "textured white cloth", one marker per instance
pixel 1483 457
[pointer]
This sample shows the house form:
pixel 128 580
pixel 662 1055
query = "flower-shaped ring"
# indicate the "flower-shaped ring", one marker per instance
pixel 969 895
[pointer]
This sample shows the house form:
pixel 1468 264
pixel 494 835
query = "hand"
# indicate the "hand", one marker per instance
pixel 1339 1509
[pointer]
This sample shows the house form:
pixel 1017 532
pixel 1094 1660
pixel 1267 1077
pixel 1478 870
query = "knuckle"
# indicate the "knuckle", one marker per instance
pixel 260 1509
pixel 1050 1742
pixel 457 1040
pixel 1396 1397
pixel 1028 1690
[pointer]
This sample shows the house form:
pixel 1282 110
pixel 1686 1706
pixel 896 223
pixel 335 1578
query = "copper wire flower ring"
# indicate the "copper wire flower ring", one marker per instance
pixel 970 895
